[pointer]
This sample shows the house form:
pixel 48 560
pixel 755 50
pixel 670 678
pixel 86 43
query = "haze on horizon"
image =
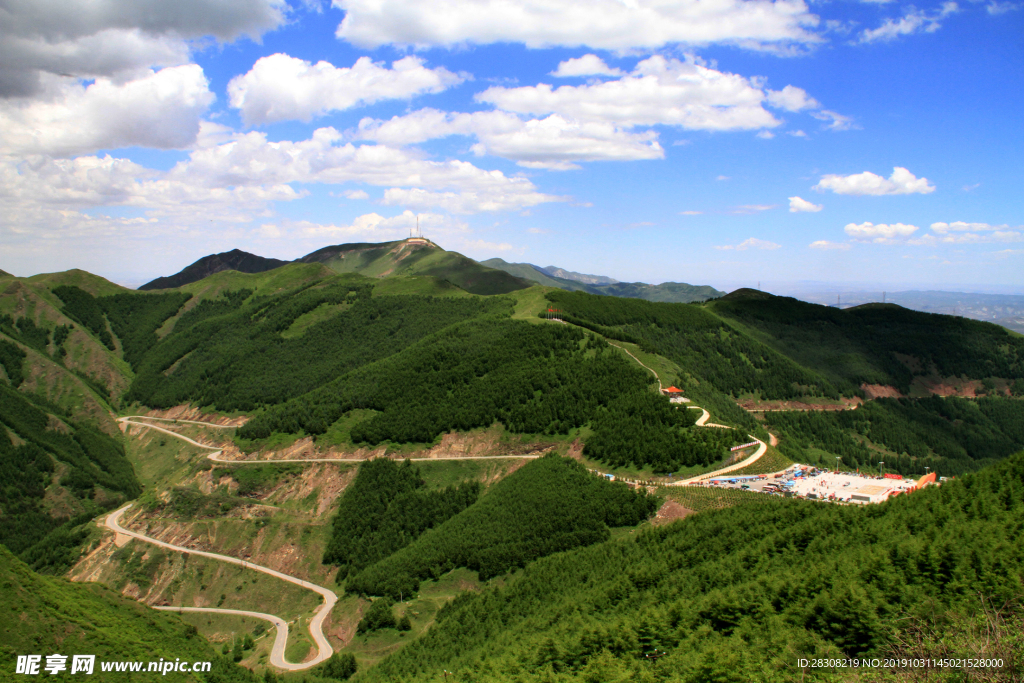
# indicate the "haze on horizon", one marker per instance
pixel 859 144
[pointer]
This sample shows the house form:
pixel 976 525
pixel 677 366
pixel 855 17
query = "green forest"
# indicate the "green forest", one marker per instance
pixel 95 472
pixel 949 436
pixel 549 505
pixel 385 509
pixel 741 594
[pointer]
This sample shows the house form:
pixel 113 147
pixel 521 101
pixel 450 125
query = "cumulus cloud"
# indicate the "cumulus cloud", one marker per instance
pixel 356 194
pixel 553 142
pixel 161 109
pixel 45 39
pixel 280 87
pixel 556 128
pixel 658 91
pixel 914 21
pixel 791 98
pixel 829 246
pixel 901 181
pixel 587 65
pixel 798 205
pixel 751 243
pixel 238 180
pixel 880 233
pixel 369 227
pixel 603 24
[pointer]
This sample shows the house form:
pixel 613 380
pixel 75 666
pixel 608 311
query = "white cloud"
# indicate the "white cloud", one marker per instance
pixel 603 24
pixel 658 91
pixel 751 243
pixel 552 143
pixel 960 226
pixel 913 21
pixel 798 205
pixel 829 246
pixel 747 209
pixel 690 213
pixel 834 121
pixel 511 198
pixel 43 39
pixel 587 65
pixel 723 177
pixel 356 194
pixel 766 135
pixel 901 181
pixel 161 109
pixel 369 227
pixel 791 98
pixel 280 87
pixel 880 233
pixel 959 232
pixel 996 8
pixel 537 231
pixel 797 133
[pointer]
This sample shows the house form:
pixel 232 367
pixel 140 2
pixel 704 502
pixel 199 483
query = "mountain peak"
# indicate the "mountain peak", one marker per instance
pixel 236 259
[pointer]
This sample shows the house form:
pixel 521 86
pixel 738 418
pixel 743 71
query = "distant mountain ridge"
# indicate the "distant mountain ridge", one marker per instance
pixel 553 276
pixel 422 257
pixel 555 271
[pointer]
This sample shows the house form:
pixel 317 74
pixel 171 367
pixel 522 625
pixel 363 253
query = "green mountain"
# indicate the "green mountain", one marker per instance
pixel 550 505
pixel 551 276
pixel 404 348
pixel 413 257
pixel 48 615
pixel 744 594
pixel 416 257
pixel 236 259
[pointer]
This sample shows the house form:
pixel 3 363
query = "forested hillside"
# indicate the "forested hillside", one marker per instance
pixel 48 615
pixel 949 436
pixel 550 505
pixel 876 343
pixel 741 594
pixel 700 342
pixel 385 509
pixel 234 352
pixel 57 475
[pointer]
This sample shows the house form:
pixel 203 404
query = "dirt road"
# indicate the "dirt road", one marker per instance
pixel 113 522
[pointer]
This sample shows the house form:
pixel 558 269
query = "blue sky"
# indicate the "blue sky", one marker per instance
pixel 875 144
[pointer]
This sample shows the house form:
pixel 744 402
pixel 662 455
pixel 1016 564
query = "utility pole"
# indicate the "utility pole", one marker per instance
pixel 880 468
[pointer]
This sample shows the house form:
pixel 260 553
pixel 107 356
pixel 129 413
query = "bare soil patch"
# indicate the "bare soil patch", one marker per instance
pixel 873 391
pixel 669 512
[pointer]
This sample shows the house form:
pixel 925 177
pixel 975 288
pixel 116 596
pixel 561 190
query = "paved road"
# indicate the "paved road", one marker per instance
pixel 280 640
pixel 113 522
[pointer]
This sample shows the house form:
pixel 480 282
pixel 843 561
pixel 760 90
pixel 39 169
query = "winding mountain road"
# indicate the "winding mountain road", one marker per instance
pixel 113 522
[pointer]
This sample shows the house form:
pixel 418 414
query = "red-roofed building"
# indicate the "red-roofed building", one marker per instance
pixel 672 391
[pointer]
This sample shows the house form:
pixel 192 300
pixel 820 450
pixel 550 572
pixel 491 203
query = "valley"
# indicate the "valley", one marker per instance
pixel 382 456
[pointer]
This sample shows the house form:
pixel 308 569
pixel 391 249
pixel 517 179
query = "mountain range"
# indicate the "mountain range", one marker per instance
pixel 339 395
pixel 422 257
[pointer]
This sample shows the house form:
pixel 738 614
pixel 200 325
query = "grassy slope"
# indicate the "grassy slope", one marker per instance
pixel 31 298
pixel 47 615
pixel 396 258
